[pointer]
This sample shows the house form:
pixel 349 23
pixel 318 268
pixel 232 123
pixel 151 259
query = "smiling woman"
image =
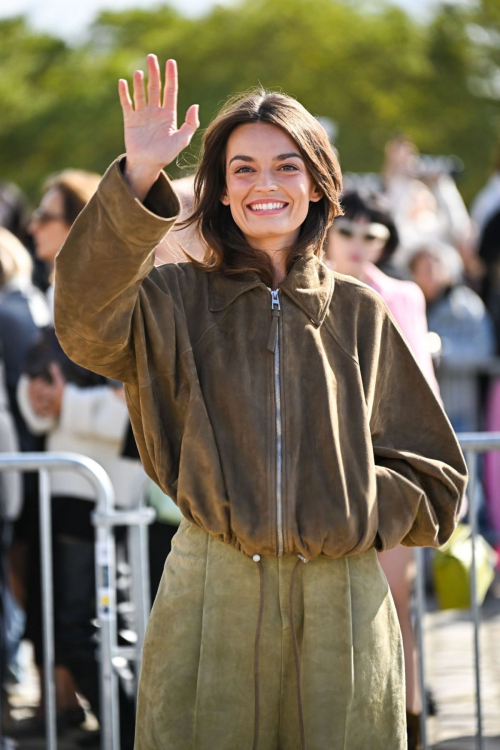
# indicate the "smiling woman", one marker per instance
pixel 273 400
pixel 277 186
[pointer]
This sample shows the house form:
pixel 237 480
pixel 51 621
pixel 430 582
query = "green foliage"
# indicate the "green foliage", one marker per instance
pixel 368 66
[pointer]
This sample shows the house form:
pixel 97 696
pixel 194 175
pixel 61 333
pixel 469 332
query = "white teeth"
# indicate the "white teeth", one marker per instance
pixel 266 206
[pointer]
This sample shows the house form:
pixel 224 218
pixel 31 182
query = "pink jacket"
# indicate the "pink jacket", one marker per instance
pixel 406 302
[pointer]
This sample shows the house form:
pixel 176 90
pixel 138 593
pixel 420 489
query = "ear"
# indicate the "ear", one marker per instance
pixel 315 195
pixel 225 198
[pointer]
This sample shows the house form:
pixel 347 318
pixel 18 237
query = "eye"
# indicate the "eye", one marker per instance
pixel 242 170
pixel 345 231
pixel 289 168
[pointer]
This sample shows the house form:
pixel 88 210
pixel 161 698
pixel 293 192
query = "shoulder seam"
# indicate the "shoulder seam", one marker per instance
pixel 354 359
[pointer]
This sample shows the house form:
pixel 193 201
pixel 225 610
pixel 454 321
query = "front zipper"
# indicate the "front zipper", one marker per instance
pixel 274 346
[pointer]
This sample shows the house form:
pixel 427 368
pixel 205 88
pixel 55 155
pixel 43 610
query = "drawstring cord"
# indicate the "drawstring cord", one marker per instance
pixel 256 559
pixel 296 652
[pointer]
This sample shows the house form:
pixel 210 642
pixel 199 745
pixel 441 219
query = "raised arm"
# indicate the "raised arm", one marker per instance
pixel 110 249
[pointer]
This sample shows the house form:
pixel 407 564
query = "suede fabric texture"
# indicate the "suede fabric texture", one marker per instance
pixel 196 688
pixel 369 457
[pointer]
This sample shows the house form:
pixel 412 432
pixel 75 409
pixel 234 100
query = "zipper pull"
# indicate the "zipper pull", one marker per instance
pixel 275 312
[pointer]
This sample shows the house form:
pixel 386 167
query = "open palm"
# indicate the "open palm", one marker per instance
pixel 152 139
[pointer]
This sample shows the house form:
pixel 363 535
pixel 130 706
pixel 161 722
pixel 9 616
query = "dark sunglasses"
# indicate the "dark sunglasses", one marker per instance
pixel 44 217
pixel 371 233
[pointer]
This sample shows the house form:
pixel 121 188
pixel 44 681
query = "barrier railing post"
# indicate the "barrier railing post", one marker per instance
pixel 472 495
pixel 420 605
pixel 105 578
pixel 104 518
pixel 105 572
pixel 47 609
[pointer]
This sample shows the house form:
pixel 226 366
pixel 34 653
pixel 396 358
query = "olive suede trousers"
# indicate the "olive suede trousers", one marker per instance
pixel 197 685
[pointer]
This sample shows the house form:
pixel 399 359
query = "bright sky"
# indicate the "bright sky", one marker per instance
pixel 69 19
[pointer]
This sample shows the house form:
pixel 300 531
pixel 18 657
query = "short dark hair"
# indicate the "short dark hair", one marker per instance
pixel 357 203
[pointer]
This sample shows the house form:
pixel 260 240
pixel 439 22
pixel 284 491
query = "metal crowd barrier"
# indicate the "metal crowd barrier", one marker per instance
pixel 471 444
pixel 105 518
pixel 459 385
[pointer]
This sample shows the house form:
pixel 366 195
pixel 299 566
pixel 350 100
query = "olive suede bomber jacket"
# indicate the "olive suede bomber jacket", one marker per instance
pixel 293 423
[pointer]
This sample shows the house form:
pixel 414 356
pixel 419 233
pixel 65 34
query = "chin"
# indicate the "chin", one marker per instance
pixel 44 256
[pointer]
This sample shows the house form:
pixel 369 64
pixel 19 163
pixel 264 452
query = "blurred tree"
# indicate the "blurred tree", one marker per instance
pixel 368 66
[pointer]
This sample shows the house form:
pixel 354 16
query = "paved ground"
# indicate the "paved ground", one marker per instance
pixel 450 674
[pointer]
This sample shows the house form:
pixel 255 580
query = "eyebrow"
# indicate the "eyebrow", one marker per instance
pixel 281 157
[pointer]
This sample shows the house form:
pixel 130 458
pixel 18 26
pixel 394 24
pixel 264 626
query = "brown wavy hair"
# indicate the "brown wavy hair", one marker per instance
pixel 226 247
pixel 76 187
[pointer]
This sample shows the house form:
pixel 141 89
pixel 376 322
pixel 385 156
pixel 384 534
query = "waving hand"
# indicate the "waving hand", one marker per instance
pixel 152 139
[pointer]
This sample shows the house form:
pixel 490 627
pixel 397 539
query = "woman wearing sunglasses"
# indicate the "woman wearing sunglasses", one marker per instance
pixel 274 401
pixel 64 196
pixel 363 237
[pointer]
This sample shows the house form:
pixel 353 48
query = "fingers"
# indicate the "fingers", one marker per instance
pixel 171 87
pixel 124 95
pixel 154 81
pixel 154 92
pixel 139 93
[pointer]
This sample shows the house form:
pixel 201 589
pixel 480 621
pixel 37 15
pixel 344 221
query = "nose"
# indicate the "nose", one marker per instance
pixel 357 245
pixel 266 182
pixel 32 226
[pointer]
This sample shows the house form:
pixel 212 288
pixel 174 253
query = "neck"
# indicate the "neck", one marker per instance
pixel 278 259
pixel 276 249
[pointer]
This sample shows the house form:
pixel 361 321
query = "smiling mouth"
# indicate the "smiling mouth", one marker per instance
pixel 267 208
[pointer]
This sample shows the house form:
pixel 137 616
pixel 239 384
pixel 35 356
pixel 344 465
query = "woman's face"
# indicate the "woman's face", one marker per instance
pixel 268 187
pixel 352 243
pixel 430 274
pixel 48 226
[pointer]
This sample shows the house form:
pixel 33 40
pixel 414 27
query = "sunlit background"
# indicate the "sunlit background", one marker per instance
pixel 375 69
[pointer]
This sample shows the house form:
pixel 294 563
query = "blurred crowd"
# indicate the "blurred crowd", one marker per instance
pixel 406 232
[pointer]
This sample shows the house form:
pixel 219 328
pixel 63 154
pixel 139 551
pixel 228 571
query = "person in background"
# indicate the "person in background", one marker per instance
pixel 426 204
pixel 363 237
pixel 467 334
pixel 454 310
pixel 489 253
pixel 457 314
pixel 23 310
pixel 78 411
pixel 64 196
pixel 14 213
pixel 10 508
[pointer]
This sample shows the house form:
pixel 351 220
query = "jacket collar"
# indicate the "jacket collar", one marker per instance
pixel 309 284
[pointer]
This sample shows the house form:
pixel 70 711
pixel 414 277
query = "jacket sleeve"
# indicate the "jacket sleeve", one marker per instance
pixel 100 270
pixel 420 470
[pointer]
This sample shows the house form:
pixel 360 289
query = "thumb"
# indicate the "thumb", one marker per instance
pixel 191 123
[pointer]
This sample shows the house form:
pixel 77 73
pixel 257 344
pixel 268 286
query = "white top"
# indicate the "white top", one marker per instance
pixel 93 422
